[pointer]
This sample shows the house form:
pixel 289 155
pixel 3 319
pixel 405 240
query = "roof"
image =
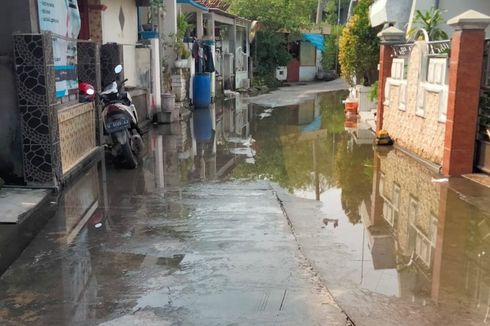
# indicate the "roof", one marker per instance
pixel 218 4
pixel 195 4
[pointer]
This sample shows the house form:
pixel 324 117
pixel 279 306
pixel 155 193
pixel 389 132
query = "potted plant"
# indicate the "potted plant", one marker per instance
pixel 183 54
pixel 182 27
pixel 154 7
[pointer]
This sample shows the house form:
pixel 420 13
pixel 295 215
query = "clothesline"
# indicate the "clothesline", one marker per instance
pixel 203 55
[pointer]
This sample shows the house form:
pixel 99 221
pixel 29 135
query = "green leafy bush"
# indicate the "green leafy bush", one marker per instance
pixel 359 46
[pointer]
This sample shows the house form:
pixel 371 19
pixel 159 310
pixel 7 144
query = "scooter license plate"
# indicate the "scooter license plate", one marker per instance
pixel 116 125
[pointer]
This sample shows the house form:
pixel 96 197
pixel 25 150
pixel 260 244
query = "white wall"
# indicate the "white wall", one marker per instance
pixel 307 73
pixel 112 32
pixel 452 8
pixel 455 8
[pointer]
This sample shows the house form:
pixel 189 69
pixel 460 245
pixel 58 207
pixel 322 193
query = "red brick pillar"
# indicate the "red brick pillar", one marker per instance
pixel 464 92
pixel 388 37
pixel 376 214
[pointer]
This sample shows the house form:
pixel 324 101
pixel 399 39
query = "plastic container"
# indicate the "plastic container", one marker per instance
pixel 203 125
pixel 351 106
pixel 201 87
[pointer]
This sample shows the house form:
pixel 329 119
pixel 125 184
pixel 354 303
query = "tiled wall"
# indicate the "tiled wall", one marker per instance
pixel 89 72
pixel 54 140
pixel 111 55
pixel 89 63
pixel 36 99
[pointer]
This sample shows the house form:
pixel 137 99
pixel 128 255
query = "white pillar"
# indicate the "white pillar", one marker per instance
pixel 200 25
pixel 211 36
pixel 155 73
pixel 234 48
pixel 247 42
pixel 169 28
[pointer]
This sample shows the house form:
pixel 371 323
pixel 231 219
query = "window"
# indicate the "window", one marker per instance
pixel 398 69
pixel 433 229
pixel 423 248
pixel 396 202
pixel 381 184
pixel 412 211
pixel 437 69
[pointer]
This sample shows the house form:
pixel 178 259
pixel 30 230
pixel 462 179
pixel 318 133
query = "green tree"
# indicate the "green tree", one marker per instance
pixel 359 46
pixel 430 21
pixel 271 52
pixel 276 15
pixel 332 10
pixel 331 48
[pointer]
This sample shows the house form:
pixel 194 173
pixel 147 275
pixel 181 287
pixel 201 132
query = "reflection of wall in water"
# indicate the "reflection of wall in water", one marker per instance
pixel 78 203
pixel 80 200
pixel 411 204
pixel 450 237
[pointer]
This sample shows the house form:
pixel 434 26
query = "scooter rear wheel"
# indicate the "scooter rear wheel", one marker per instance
pixel 128 155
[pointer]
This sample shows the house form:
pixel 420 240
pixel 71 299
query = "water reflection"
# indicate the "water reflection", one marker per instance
pixel 307 150
pixel 415 238
pixel 402 234
pixel 436 239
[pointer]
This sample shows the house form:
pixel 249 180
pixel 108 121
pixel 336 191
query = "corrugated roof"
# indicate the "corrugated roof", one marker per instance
pixel 219 4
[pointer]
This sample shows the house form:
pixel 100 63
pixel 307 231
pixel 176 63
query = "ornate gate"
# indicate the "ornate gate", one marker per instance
pixel 482 160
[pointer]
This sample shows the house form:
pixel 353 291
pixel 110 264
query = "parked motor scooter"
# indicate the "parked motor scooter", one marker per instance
pixel 120 120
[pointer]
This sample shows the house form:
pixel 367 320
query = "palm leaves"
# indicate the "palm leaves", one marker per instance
pixel 429 21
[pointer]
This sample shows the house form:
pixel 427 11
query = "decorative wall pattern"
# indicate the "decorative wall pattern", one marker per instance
pixel 77 134
pixel 89 72
pixel 89 63
pixel 111 55
pixel 412 113
pixel 36 98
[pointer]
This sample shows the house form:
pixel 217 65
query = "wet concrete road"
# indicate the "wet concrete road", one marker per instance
pixel 219 254
pixel 245 215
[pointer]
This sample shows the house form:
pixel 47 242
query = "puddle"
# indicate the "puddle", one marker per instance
pixel 391 227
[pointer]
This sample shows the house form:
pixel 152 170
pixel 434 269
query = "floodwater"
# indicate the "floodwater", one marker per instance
pixel 196 236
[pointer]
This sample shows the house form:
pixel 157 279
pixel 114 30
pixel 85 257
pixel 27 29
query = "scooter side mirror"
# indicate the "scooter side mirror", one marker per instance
pixel 118 69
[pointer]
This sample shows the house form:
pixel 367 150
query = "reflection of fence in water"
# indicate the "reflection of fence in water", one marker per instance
pixel 483 135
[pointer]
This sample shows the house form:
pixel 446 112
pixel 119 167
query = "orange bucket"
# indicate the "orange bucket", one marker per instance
pixel 351 106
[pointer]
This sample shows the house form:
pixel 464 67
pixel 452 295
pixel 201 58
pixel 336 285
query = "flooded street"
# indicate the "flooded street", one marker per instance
pixel 255 215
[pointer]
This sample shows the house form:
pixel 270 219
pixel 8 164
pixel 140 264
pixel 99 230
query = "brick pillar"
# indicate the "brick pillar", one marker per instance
pixel 376 214
pixel 388 37
pixel 464 91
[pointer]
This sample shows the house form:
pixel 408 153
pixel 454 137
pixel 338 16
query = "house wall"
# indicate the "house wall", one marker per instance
pixel 16 16
pixel 112 31
pixel 309 60
pixel 307 73
pixel 415 103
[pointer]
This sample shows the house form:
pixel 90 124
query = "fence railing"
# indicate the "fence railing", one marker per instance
pixel 485 82
pixel 439 48
pixel 402 50
pixel 435 48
